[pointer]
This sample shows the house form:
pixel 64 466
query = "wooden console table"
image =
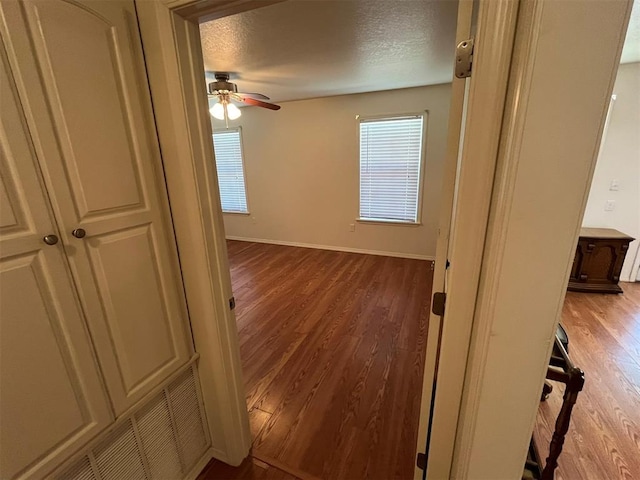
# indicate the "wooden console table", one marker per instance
pixel 598 260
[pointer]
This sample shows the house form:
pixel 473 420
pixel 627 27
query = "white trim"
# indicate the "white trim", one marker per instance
pixel 612 103
pixel 635 268
pixel 424 114
pixel 396 116
pixel 200 464
pixel 236 213
pixel 334 248
pixel 487 94
pixel 454 129
pixel 523 285
pixel 173 59
pixel 382 221
pixel 496 244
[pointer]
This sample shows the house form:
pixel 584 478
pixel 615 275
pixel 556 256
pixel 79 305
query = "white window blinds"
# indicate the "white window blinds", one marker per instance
pixel 228 149
pixel 390 159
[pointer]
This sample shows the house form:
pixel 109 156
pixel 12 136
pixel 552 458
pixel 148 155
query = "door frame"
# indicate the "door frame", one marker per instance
pixel 490 183
pixel 174 63
pixel 173 57
pixel 553 125
pixel 463 227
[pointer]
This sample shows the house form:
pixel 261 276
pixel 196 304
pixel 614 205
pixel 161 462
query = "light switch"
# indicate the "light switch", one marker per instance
pixel 614 186
pixel 609 205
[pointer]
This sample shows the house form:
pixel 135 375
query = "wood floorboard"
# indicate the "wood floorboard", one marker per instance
pixel 250 469
pixel 603 441
pixel 332 347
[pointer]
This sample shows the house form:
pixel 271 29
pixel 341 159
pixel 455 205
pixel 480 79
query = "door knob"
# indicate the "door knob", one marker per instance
pixel 79 233
pixel 50 239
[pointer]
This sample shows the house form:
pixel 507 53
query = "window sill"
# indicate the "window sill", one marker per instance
pixel 236 213
pixel 388 222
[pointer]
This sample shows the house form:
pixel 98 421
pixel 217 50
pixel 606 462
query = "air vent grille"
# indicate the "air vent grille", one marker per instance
pixel 158 439
pixel 81 470
pixel 186 410
pixel 118 457
pixel 162 441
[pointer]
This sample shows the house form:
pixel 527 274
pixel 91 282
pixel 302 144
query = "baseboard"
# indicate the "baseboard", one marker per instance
pixel 199 467
pixel 333 248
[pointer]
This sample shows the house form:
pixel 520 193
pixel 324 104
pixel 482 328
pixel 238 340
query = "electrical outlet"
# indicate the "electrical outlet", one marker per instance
pixel 610 205
pixel 614 186
pixel 352 227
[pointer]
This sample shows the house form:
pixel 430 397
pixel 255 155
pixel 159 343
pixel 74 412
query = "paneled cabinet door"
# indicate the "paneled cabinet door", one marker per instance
pixel 51 397
pixel 82 79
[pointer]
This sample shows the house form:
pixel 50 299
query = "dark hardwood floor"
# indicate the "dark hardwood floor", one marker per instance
pixel 332 346
pixel 603 441
pixel 251 469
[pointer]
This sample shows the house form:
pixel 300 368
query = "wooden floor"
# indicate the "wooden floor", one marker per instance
pixel 603 441
pixel 251 469
pixel 332 346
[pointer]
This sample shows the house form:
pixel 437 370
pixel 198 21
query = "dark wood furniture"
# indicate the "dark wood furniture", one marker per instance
pixel 561 369
pixel 598 260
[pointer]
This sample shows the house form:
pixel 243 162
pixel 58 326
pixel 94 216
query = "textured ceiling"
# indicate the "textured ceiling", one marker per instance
pixel 306 49
pixel 313 48
pixel 631 50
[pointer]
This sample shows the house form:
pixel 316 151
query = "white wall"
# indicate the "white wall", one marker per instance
pixel 559 91
pixel 620 160
pixel 302 172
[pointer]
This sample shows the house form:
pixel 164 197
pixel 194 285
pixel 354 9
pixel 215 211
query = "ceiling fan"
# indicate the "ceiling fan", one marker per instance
pixel 225 91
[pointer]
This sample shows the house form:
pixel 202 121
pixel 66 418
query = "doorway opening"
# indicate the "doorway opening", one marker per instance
pixel 332 304
pixel 175 66
pixel 601 312
pixel 185 134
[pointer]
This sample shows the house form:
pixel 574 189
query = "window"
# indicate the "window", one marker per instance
pixel 390 163
pixel 227 145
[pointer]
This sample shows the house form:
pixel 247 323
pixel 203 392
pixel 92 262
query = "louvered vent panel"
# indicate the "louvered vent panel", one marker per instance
pixel 188 418
pixel 80 471
pixel 118 457
pixel 162 441
pixel 158 439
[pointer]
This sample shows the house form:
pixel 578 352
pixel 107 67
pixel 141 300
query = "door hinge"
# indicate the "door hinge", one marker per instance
pixel 421 461
pixel 437 303
pixel 464 58
pixel 232 303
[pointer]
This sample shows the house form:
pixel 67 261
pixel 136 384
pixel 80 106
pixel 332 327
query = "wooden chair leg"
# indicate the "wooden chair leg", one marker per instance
pixel 575 382
pixel 547 388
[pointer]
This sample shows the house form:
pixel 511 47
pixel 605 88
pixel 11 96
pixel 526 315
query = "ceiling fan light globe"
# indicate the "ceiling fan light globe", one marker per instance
pixel 233 111
pixel 217 111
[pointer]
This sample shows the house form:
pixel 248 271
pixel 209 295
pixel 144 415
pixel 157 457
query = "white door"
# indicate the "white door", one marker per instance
pixel 475 125
pixel 82 81
pixel 51 397
pixel 439 453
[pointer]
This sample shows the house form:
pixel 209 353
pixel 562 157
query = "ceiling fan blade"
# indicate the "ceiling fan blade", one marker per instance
pixel 259 103
pixel 254 95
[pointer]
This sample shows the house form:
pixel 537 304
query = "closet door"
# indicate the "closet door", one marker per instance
pixel 51 397
pixel 82 80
